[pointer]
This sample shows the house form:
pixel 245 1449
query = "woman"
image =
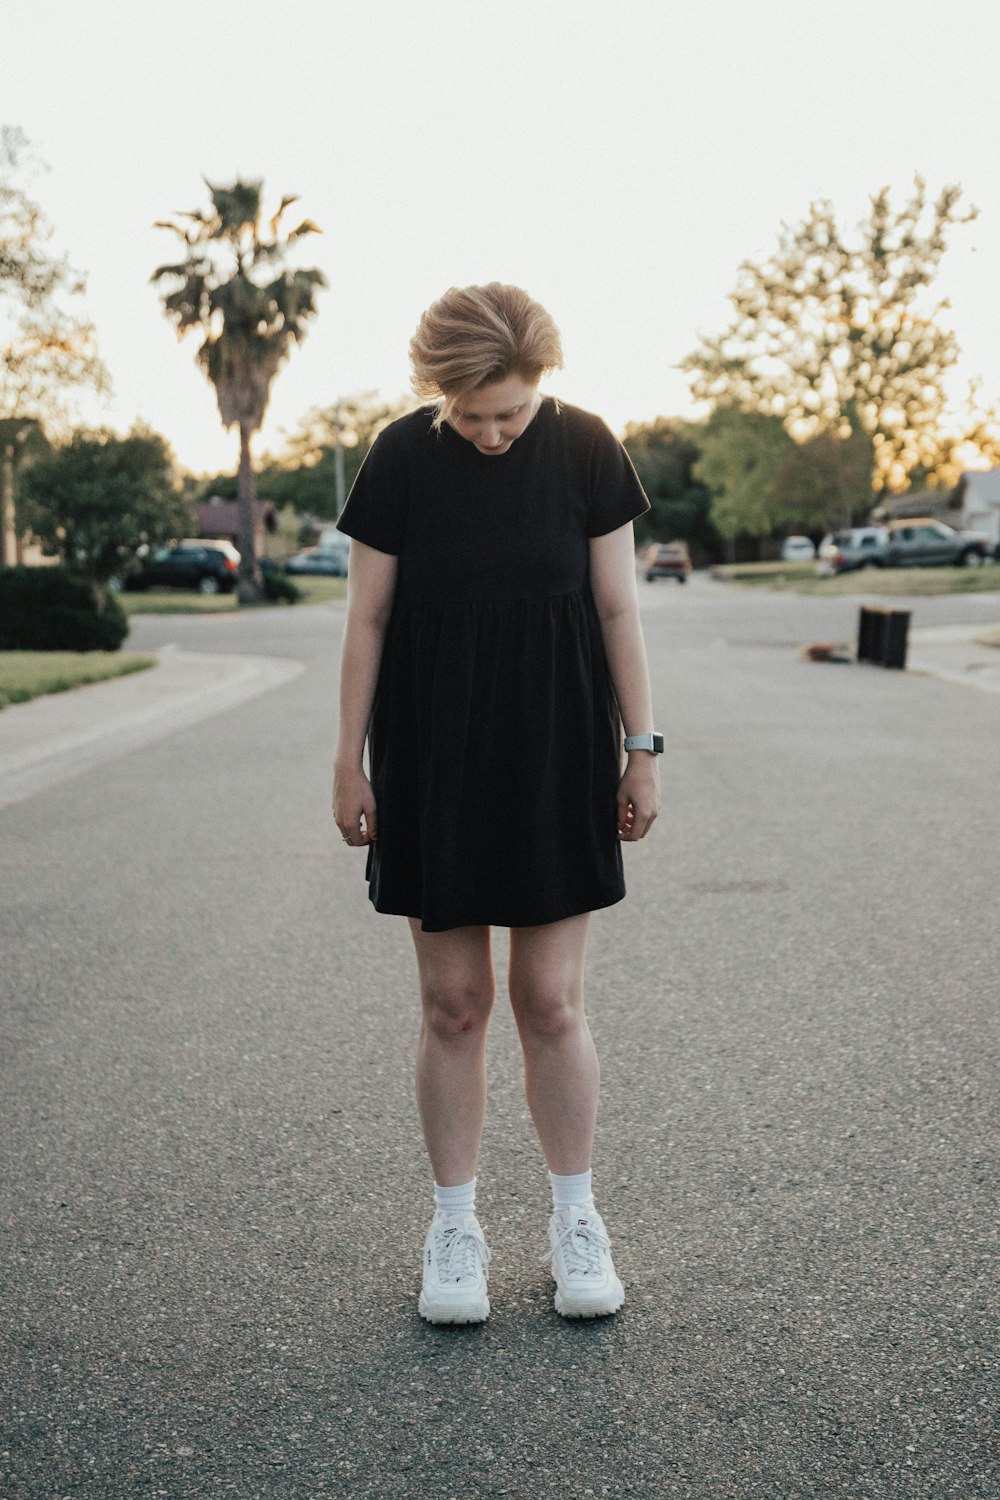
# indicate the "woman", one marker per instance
pixel 491 654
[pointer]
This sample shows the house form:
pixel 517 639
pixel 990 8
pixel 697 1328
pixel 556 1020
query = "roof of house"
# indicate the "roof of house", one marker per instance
pixel 216 516
pixel 910 504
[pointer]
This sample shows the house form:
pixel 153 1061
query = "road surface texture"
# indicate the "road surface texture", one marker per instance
pixel 214 1189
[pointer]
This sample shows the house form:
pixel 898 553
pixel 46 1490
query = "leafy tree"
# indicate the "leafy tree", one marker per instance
pixel 972 439
pixel 834 334
pixel 288 534
pixel 45 351
pixel 98 497
pixel 235 291
pixel 310 489
pixel 305 474
pixel 322 457
pixel 741 456
pixel 824 482
pixel 665 453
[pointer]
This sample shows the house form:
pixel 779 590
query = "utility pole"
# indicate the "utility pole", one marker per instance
pixel 342 421
pixel 338 473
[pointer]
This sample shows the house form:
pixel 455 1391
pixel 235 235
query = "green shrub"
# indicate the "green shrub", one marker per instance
pixel 279 588
pixel 48 609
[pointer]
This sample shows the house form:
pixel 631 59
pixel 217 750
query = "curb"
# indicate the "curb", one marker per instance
pixel 953 653
pixel 53 738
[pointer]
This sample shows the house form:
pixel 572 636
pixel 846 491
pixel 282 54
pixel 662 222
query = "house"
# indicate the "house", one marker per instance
pixel 977 497
pixel 220 520
pixel 906 504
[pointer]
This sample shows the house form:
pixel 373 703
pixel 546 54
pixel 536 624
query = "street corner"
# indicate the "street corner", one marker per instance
pixel 61 735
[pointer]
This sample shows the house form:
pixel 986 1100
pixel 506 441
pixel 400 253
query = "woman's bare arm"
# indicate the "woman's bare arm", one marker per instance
pixel 612 581
pixel 370 589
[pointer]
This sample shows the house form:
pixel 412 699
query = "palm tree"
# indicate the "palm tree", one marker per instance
pixel 234 289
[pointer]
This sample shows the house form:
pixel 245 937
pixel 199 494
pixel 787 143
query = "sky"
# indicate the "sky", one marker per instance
pixel 619 160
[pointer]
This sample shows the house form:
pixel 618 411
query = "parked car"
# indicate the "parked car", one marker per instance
pixel 797 549
pixel 330 561
pixel 926 543
pixel 854 547
pixel 211 567
pixel 671 560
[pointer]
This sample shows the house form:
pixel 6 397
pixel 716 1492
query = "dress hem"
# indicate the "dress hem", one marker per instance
pixel 573 911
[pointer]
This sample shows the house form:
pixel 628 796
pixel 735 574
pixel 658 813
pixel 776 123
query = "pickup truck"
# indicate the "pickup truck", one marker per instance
pixel 925 543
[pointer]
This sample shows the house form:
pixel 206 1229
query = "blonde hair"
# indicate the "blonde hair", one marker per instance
pixel 477 335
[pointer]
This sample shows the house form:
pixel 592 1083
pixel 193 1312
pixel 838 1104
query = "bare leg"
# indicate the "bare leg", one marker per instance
pixel 561 1072
pixel 456 992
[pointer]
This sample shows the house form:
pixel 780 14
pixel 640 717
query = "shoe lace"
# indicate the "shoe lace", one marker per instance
pixel 460 1252
pixel 581 1246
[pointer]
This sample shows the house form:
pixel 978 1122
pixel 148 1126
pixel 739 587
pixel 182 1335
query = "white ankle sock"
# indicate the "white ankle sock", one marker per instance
pixel 571 1192
pixel 456 1200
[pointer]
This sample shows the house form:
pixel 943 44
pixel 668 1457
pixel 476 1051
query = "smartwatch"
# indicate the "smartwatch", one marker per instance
pixel 652 742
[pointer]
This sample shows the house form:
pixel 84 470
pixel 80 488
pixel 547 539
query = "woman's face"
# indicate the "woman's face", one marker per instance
pixel 493 416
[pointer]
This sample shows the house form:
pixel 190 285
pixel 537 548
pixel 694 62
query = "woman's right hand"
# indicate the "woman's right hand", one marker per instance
pixel 354 807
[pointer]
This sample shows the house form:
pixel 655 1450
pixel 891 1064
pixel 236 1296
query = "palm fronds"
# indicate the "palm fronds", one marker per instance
pixel 226 288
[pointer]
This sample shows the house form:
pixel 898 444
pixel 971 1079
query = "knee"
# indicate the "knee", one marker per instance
pixel 457 1009
pixel 548 1013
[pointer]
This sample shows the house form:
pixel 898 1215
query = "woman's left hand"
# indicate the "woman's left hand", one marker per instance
pixel 638 796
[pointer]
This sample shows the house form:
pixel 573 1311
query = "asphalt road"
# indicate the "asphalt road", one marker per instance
pixel 214 1190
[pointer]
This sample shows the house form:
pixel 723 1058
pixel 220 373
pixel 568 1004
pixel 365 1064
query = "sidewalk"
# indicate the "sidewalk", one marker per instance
pixel 953 653
pixel 53 738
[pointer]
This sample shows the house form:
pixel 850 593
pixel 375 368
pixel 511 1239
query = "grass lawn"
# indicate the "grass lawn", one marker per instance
pixel 801 578
pixel 187 602
pixel 29 674
pixel 769 574
pixel 176 602
pixel 319 590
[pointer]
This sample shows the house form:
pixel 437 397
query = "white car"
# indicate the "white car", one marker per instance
pixel 797 549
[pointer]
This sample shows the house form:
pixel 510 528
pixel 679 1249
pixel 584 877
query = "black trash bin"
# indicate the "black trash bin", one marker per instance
pixel 882 635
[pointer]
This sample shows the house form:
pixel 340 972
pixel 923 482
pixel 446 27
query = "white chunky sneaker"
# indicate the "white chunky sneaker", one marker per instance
pixel 587 1285
pixel 456 1263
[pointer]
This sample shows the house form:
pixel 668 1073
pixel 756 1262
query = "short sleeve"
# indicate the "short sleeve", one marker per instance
pixel 376 508
pixel 616 495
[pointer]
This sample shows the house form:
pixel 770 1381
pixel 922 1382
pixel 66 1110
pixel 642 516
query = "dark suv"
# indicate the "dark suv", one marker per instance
pixel 208 566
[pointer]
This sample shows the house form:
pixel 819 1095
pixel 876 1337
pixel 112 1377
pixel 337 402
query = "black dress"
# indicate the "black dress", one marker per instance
pixel 494 741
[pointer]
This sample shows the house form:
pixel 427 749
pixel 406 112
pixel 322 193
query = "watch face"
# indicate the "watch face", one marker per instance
pixel 658 744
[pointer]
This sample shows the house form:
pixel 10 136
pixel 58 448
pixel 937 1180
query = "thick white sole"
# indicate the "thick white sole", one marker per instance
pixel 600 1306
pixel 475 1310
